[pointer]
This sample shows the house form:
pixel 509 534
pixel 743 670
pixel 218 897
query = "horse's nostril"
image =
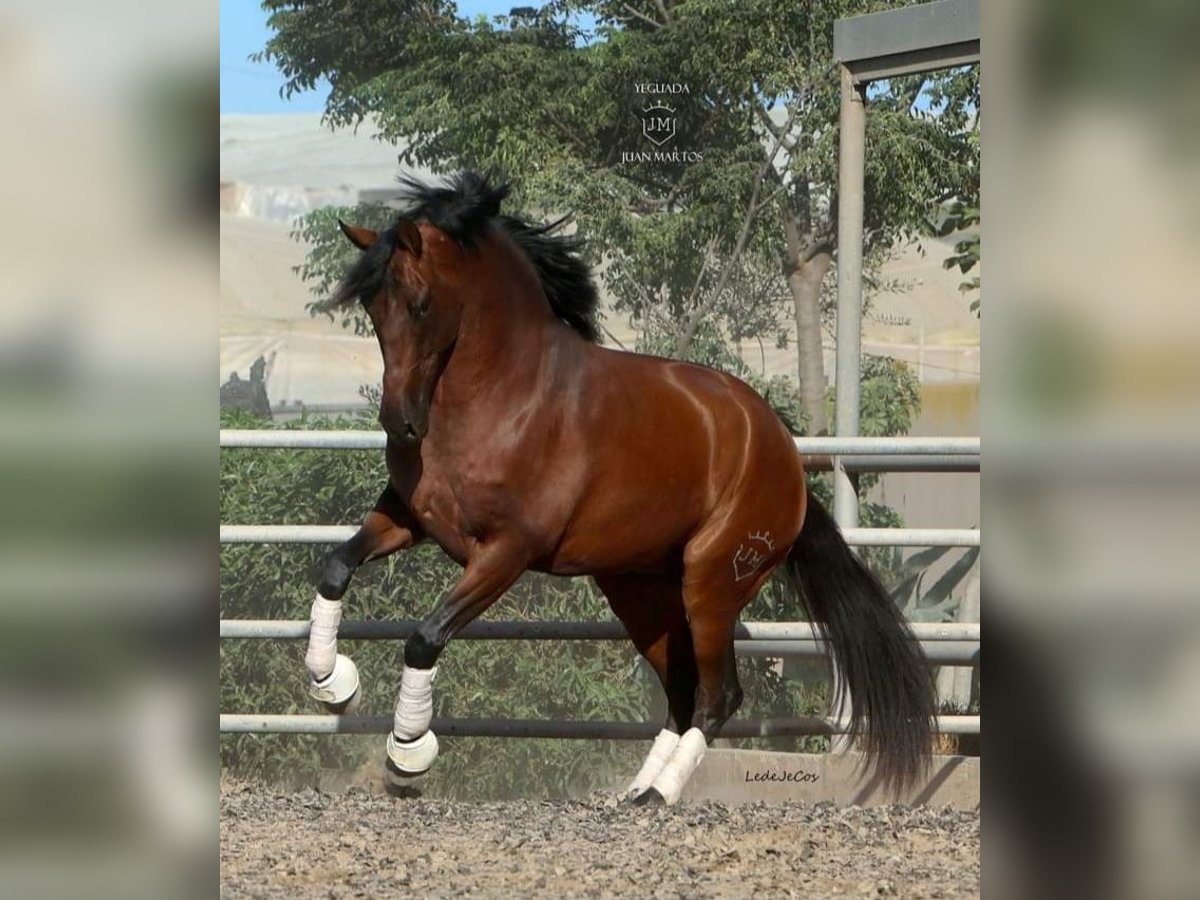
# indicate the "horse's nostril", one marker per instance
pixel 410 433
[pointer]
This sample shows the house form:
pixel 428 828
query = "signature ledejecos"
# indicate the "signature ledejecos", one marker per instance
pixel 798 776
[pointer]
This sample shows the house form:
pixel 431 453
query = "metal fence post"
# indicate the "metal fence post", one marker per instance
pixel 852 139
pixel 851 173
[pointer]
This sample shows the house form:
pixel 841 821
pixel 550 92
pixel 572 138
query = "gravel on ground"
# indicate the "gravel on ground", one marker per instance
pixel 364 843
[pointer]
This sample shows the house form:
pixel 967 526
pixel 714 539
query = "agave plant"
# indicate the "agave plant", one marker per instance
pixel 935 603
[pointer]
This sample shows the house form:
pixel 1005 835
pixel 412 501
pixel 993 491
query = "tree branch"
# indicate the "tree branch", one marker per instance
pixel 640 15
pixel 689 330
pixel 708 252
pixel 765 118
pixel 612 336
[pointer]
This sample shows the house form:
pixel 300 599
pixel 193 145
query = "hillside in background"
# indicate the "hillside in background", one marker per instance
pixel 277 167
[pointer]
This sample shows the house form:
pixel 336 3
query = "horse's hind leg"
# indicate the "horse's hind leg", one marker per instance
pixel 333 678
pixel 651 609
pixel 714 591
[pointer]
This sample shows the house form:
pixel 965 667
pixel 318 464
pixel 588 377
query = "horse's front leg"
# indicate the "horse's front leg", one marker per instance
pixel 333 678
pixel 490 571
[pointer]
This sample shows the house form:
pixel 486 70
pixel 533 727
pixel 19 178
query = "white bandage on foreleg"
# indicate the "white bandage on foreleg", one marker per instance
pixel 333 677
pixel 679 768
pixel 414 706
pixel 664 746
pixel 322 638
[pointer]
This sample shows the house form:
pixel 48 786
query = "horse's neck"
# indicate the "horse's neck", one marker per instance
pixel 509 326
pixel 510 341
pixel 501 359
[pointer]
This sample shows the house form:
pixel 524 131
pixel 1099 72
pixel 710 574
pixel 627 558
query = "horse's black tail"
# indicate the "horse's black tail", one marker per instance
pixel 891 690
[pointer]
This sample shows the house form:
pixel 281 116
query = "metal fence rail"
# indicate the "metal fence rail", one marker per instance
pixel 551 728
pixel 911 454
pixel 394 629
pixel 869 454
pixel 941 644
pixel 271 438
pixel 856 537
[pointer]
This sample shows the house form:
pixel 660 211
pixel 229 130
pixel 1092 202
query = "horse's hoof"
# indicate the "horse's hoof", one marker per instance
pixel 408 762
pixel 400 782
pixel 398 777
pixel 340 692
pixel 346 708
pixel 649 797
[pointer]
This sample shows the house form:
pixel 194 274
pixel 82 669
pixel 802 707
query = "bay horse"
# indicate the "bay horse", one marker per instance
pixel 516 443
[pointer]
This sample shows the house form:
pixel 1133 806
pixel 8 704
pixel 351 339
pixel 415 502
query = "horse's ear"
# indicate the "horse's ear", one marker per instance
pixel 409 236
pixel 362 238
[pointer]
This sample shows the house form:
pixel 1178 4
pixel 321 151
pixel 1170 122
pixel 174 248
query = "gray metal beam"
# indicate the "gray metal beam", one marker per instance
pixel 914 61
pixel 851 161
pixel 910 39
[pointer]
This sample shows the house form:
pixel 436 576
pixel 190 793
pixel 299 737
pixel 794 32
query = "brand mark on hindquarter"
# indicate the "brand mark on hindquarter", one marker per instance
pixel 751 554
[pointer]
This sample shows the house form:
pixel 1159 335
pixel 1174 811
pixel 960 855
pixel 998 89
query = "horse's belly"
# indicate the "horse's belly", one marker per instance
pixel 605 543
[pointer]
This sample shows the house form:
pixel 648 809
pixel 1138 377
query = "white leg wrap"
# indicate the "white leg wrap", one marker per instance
pixel 414 706
pixel 664 746
pixel 322 637
pixel 679 768
pixel 333 678
pixel 412 758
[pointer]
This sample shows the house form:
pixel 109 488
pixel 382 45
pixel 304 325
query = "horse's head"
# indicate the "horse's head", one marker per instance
pixel 416 322
pixel 451 257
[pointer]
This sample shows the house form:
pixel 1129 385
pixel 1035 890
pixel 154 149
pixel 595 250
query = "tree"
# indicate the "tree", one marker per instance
pixel 560 108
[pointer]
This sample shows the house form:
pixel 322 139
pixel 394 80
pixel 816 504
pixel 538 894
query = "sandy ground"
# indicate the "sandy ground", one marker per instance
pixel 359 843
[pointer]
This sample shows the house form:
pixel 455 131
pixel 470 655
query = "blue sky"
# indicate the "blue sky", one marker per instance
pixel 248 87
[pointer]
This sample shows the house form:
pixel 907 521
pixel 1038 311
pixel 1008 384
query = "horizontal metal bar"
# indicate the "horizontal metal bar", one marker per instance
pixel 911 537
pixel 858 537
pixel 232 723
pixel 394 629
pixel 909 462
pixel 891 446
pixel 299 439
pixel 286 534
pixel 927 27
pixel 936 653
pixel 911 62
pixel 270 438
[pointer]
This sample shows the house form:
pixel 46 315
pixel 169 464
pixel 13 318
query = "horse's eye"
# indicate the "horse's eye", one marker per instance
pixel 418 304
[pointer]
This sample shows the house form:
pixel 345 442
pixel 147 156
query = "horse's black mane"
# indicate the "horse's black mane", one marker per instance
pixel 464 206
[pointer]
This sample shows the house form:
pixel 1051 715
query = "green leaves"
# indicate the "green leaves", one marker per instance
pixel 536 99
pixel 931 603
pixel 957 217
pixel 330 255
